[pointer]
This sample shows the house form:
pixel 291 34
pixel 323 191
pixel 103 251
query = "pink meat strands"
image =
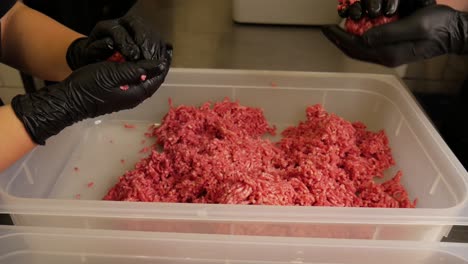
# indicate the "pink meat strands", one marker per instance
pixel 217 154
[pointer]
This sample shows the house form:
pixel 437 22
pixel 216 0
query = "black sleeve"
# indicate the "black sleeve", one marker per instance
pixel 6 5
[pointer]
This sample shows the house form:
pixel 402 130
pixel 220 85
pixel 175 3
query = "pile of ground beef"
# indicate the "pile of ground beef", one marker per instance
pixel 217 154
pixel 360 26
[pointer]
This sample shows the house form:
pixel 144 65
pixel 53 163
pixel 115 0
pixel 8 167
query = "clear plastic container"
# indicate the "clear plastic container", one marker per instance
pixel 51 246
pixel 42 188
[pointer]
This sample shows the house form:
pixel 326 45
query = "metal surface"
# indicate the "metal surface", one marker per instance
pixel 205 36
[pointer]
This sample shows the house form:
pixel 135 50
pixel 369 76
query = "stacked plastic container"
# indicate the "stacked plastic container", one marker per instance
pixel 58 246
pixel 50 187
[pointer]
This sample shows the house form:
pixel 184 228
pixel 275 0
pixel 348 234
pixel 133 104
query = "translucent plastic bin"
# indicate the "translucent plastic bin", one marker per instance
pixel 41 189
pixel 51 246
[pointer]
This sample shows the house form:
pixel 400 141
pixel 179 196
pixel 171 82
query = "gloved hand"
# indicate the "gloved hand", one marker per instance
pixel 90 91
pixel 376 8
pixel 428 32
pixel 127 35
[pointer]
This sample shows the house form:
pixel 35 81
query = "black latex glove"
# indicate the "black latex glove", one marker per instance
pixel 376 8
pixel 90 91
pixel 128 35
pixel 426 33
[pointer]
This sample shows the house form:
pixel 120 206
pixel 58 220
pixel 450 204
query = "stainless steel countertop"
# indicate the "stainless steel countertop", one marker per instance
pixel 205 36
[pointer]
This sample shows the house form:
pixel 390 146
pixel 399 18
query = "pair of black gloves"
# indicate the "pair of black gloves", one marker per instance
pixel 98 86
pixel 424 30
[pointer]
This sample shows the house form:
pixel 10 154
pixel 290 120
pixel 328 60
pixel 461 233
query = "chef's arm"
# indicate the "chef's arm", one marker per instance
pixel 14 140
pixel 35 43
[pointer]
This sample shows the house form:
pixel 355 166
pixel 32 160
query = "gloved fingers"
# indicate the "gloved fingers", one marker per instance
pixel 146 88
pixel 373 7
pixel 355 11
pixel 151 85
pixel 132 81
pixel 147 41
pixel 153 68
pixel 115 99
pixel 138 93
pixel 390 7
pixel 115 74
pixel 343 11
pixel 101 49
pixel 123 41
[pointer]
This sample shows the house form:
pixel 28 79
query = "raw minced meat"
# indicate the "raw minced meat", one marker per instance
pixel 364 24
pixel 218 154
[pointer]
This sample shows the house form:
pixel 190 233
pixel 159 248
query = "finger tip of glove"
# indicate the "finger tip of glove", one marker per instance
pixel 355 11
pixel 152 68
pixel 168 53
pixel 170 50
